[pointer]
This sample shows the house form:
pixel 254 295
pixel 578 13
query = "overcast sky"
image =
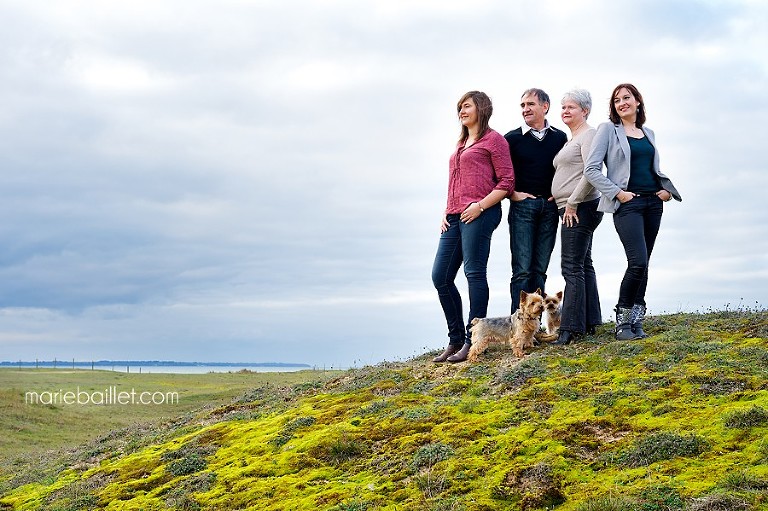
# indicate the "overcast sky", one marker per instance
pixel 255 181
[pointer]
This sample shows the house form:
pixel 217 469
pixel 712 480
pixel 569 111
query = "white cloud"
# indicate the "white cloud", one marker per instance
pixel 113 75
pixel 268 177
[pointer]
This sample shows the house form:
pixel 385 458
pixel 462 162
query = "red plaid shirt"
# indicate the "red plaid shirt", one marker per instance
pixel 477 170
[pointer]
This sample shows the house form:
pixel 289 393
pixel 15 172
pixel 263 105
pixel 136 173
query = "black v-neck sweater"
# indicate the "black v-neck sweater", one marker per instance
pixel 532 159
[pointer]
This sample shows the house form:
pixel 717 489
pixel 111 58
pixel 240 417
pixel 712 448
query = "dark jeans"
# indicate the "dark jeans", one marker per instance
pixel 532 237
pixel 637 223
pixel 468 244
pixel 581 302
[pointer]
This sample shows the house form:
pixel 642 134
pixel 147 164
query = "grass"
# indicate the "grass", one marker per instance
pixel 674 422
pixel 31 429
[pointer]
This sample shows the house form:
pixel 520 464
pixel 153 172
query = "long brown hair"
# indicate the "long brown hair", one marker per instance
pixel 614 115
pixel 484 111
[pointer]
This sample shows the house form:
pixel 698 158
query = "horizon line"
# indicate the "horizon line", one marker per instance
pixel 150 363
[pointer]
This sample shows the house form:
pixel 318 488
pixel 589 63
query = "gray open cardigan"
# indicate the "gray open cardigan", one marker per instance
pixel 610 146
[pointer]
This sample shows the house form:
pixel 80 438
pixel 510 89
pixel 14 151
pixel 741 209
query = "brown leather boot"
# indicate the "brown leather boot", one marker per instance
pixel 450 350
pixel 461 355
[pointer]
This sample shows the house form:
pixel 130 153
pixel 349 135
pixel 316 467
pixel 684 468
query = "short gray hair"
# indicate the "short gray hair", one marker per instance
pixel 581 97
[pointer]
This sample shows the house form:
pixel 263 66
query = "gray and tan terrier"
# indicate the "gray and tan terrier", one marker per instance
pixel 517 331
pixel 552 316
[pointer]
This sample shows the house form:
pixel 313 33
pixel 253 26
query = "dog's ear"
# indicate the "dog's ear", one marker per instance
pixel 523 295
pixel 538 291
pixel 559 295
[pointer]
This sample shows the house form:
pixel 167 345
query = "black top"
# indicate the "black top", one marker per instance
pixel 532 159
pixel 642 178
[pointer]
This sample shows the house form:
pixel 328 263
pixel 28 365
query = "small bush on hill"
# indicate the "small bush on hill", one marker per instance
pixel 290 428
pixel 755 416
pixel 660 498
pixel 661 446
pixel 428 455
pixel 343 450
pixel 608 504
pixel 743 481
pixel 717 502
pixel 186 465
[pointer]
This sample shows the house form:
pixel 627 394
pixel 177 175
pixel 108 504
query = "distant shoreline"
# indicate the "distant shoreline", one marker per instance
pixel 156 366
pixel 145 363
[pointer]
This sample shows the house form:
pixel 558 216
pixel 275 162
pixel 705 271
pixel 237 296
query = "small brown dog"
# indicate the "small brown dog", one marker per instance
pixel 552 316
pixel 517 330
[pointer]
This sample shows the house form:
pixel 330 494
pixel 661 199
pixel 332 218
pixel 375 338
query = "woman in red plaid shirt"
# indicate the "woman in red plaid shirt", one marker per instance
pixel 480 176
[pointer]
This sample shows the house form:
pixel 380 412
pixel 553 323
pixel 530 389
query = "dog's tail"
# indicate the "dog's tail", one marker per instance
pixel 543 336
pixel 475 321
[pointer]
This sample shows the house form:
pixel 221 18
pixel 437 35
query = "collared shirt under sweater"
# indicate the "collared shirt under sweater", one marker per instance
pixel 532 158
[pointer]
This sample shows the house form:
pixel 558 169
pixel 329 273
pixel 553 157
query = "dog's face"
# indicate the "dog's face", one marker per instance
pixel 552 302
pixel 531 303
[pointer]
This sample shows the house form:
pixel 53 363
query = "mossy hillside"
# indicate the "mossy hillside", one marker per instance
pixel 676 421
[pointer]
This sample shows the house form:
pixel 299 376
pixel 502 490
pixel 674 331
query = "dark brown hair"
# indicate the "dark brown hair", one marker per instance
pixel 614 115
pixel 484 111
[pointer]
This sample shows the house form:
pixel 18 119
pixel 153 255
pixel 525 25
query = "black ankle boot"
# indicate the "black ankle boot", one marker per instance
pixel 566 337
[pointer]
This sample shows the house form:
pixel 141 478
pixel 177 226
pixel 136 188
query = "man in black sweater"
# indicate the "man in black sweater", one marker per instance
pixel 533 217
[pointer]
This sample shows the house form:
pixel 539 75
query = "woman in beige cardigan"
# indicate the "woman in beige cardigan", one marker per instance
pixel 577 202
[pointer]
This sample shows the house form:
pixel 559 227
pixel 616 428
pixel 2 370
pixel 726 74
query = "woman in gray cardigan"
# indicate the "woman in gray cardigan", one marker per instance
pixel 634 190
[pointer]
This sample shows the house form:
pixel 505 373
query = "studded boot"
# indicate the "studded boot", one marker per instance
pixel 638 315
pixel 624 324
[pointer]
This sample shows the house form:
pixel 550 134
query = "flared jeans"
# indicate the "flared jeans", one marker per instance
pixel 581 301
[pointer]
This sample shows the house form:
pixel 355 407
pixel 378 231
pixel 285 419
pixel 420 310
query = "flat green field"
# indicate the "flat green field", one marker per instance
pixel 28 427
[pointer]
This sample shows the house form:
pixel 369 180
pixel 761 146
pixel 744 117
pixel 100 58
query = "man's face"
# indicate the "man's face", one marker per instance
pixel 534 112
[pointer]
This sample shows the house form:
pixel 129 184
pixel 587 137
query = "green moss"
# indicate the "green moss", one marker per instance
pixel 517 376
pixel 565 429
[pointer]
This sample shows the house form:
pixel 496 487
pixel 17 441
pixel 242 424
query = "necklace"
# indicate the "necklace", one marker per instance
pixel 633 130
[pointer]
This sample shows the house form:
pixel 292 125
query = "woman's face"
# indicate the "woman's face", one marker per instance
pixel 572 114
pixel 468 113
pixel 625 104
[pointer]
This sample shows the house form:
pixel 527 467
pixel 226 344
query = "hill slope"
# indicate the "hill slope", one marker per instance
pixel 676 421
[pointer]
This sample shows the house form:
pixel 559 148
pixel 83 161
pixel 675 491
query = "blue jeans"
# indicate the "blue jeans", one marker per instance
pixel 532 237
pixel 581 301
pixel 637 223
pixel 468 244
